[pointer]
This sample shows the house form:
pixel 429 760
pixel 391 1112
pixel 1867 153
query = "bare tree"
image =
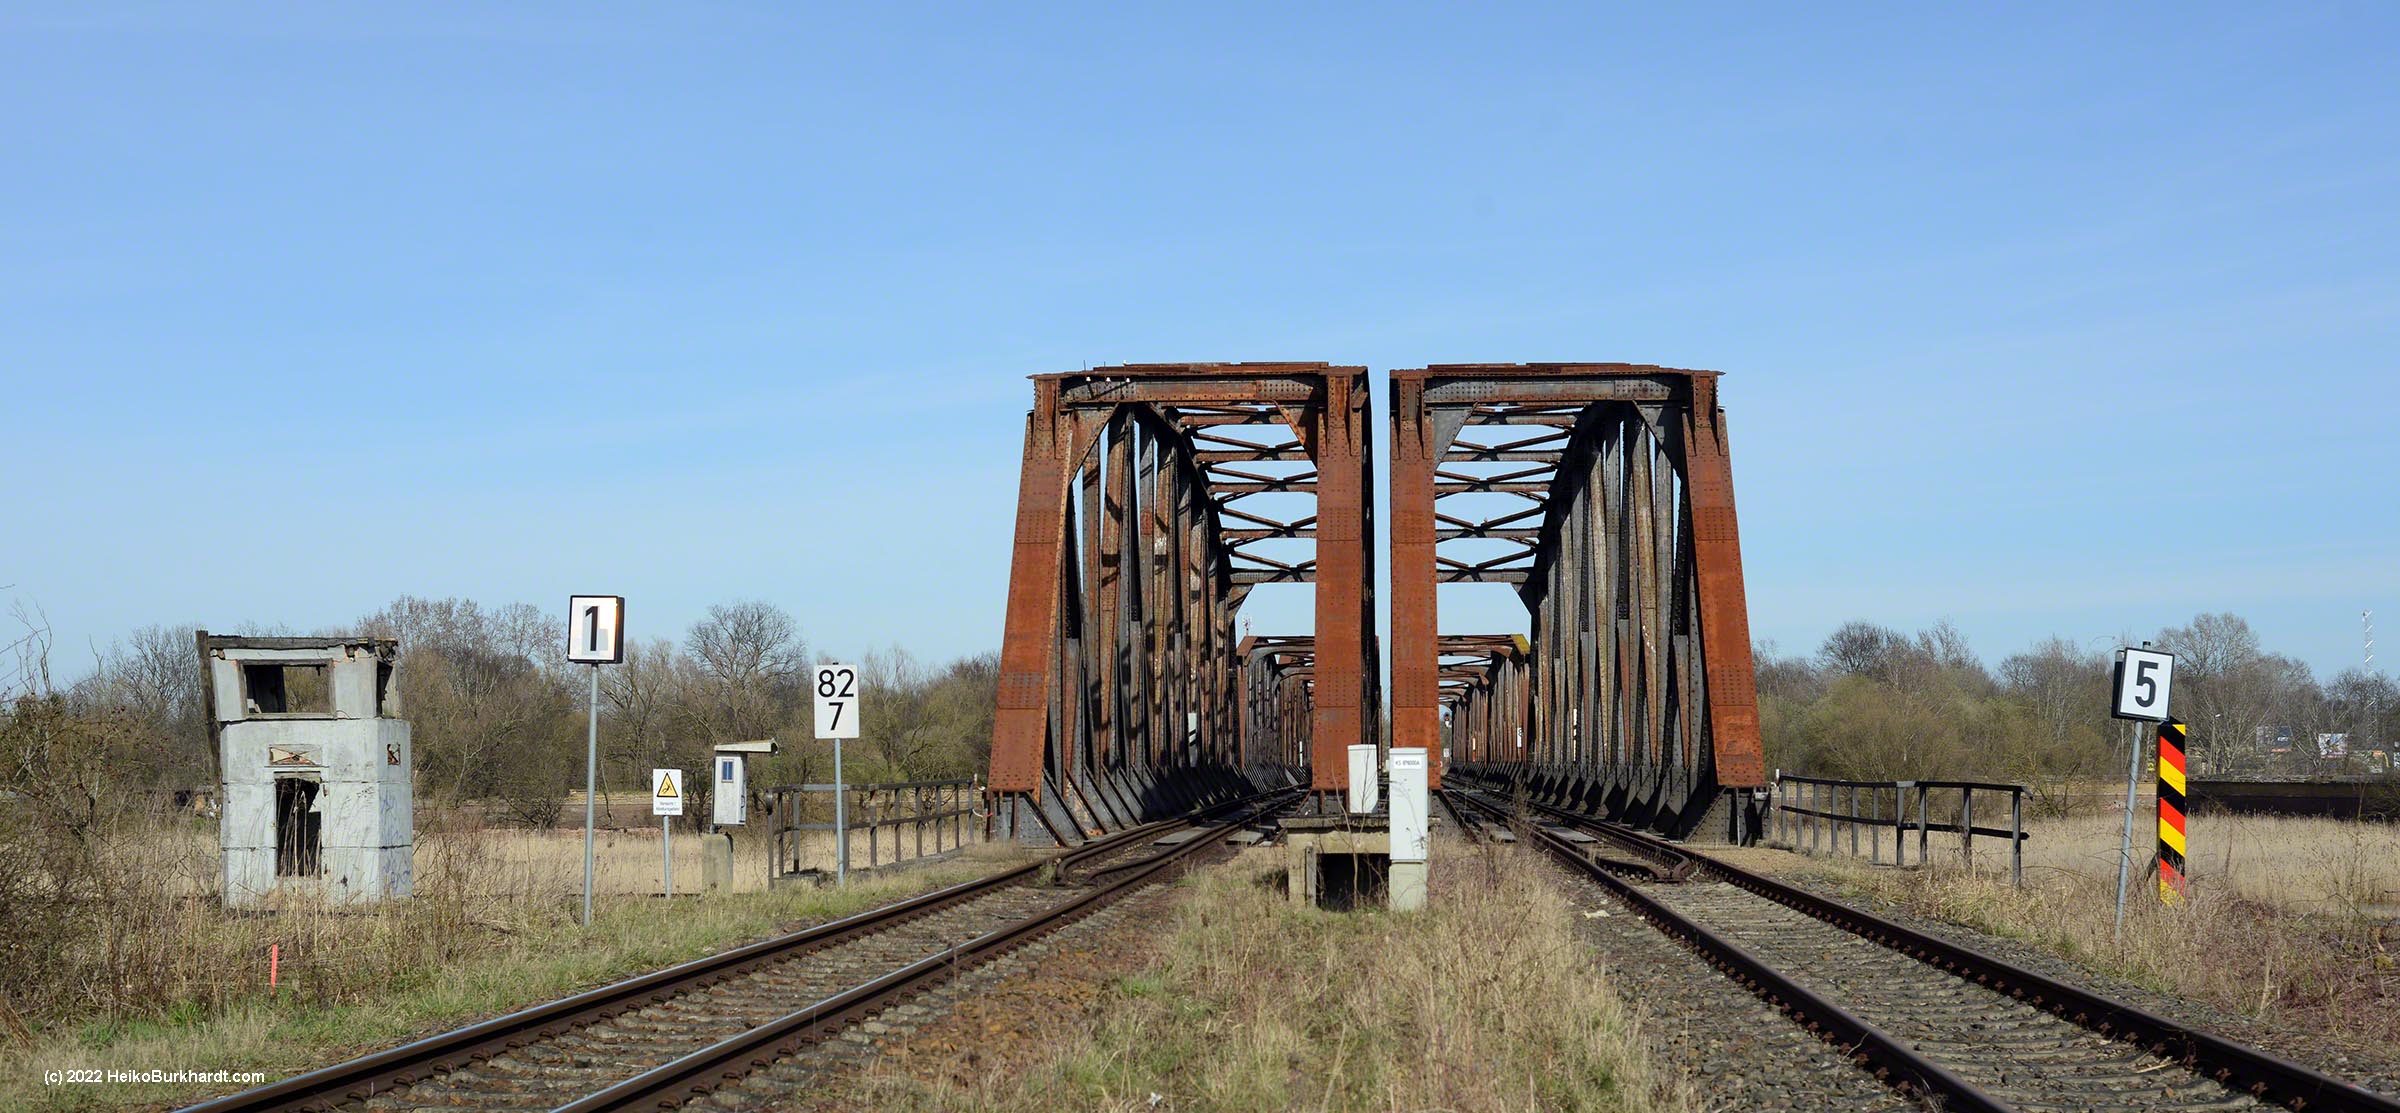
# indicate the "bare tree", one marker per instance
pixel 2367 703
pixel 2065 685
pixel 153 676
pixel 649 702
pixel 750 658
pixel 1860 649
pixel 487 693
pixel 2225 687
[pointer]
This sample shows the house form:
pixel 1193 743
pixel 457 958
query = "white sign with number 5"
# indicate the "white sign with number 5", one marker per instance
pixel 2143 677
pixel 836 689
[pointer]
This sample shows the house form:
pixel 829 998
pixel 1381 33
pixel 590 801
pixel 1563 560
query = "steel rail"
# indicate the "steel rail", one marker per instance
pixel 1890 1058
pixel 1667 863
pixel 1074 860
pixel 1272 800
pixel 1472 833
pixel 729 1059
pixel 2235 1066
pixel 360 1078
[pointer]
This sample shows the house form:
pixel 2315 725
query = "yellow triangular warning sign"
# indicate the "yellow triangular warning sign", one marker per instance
pixel 666 787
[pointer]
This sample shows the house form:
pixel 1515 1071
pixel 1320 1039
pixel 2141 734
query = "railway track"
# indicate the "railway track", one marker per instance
pixel 658 1040
pixel 1932 1018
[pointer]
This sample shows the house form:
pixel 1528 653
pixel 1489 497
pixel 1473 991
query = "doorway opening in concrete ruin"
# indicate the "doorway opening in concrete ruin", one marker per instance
pixel 1349 881
pixel 279 689
pixel 299 828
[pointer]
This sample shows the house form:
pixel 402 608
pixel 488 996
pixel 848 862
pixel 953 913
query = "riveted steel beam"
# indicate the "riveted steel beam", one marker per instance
pixel 1639 688
pixel 1122 689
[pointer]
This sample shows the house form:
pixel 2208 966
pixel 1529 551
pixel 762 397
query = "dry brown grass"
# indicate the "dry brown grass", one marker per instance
pixel 1484 1001
pixel 2288 919
pixel 156 974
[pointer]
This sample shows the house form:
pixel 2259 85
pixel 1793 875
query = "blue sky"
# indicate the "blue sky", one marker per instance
pixel 2075 320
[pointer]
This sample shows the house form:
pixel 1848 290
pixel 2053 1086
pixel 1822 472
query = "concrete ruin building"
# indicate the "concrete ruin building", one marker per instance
pixel 316 767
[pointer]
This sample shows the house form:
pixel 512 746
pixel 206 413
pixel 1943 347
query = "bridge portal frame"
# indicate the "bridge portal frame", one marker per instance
pixel 1138 594
pixel 1650 709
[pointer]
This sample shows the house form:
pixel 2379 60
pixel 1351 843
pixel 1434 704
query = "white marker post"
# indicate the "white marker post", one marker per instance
pixel 666 802
pixel 595 637
pixel 2143 677
pixel 837 718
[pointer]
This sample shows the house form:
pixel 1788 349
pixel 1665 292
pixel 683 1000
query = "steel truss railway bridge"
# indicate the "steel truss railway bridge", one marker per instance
pixel 1138 724
pixel 1154 497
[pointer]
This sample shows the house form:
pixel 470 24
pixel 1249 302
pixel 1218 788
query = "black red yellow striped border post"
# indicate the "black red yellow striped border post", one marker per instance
pixel 2171 845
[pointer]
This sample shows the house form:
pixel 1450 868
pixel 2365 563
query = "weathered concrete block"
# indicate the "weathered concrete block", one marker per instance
pixel 716 860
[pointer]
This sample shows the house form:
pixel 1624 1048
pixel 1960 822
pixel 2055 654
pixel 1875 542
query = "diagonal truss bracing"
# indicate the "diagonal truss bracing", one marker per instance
pixel 1603 493
pixel 1153 498
pixel 1278 698
pixel 1484 680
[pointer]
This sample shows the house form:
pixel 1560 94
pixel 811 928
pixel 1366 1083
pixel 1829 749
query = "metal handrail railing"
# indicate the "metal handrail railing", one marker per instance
pixel 1837 803
pixel 902 808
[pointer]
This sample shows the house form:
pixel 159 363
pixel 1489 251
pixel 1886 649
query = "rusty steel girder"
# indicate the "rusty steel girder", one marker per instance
pixel 1152 498
pixel 1278 699
pixel 1604 493
pixel 1485 680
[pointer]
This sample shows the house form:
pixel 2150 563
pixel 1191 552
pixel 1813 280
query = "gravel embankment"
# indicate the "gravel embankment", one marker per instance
pixel 2334 1051
pixel 1736 1051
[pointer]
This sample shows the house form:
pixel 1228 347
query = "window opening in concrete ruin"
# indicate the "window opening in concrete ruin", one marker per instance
pixel 279 689
pixel 384 694
pixel 299 828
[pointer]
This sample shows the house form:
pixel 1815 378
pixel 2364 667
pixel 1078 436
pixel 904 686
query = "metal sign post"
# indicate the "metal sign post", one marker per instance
pixel 2133 776
pixel 2141 686
pixel 591 789
pixel 666 802
pixel 837 718
pixel 595 637
pixel 841 821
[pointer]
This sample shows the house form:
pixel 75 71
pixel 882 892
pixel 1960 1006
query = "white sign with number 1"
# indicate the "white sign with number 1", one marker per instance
pixel 595 629
pixel 836 689
pixel 2143 677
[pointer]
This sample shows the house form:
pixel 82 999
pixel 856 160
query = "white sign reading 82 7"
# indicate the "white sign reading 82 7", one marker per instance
pixel 836 690
pixel 2143 677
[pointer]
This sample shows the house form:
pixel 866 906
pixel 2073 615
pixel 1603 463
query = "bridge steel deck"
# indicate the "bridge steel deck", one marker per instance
pixel 1603 492
pixel 1153 498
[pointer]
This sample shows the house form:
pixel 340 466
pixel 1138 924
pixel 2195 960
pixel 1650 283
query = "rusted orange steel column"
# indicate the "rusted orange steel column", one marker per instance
pixel 1152 498
pixel 1724 601
pixel 1603 492
pixel 1345 575
pixel 1416 696
pixel 1026 653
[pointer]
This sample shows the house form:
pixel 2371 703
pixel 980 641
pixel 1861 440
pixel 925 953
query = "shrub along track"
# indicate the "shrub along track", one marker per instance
pixel 1927 1016
pixel 659 1039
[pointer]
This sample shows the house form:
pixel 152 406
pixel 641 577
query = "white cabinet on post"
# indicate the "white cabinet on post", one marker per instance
pixel 730 796
pixel 1364 779
pixel 1412 818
